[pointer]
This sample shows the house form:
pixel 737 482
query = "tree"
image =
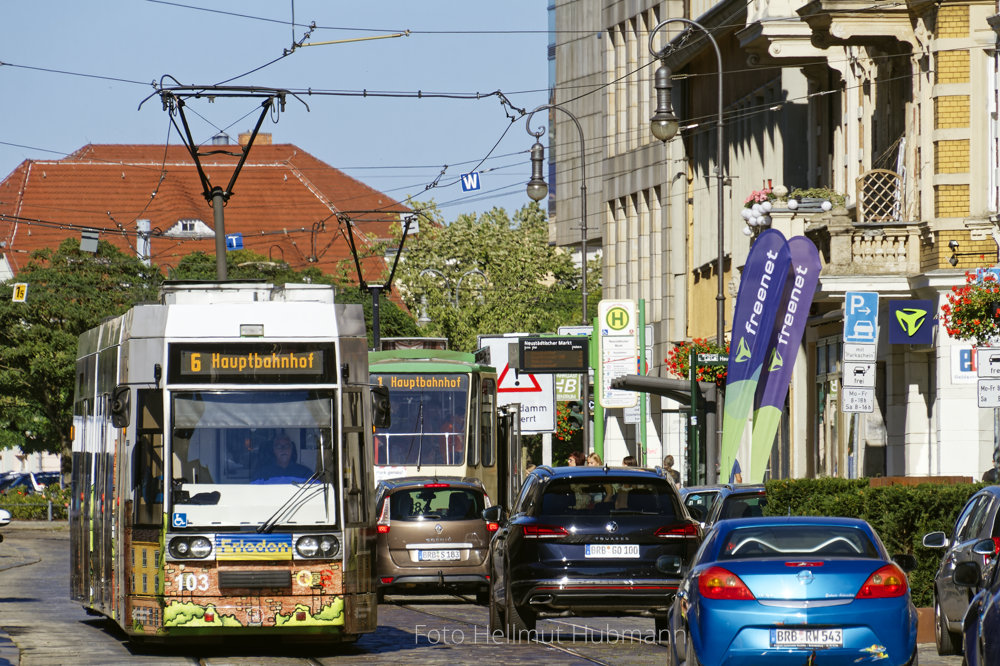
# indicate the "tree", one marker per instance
pixel 490 274
pixel 69 292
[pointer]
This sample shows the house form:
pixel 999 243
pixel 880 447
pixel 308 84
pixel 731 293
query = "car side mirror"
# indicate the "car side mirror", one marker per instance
pixel 985 547
pixel 906 562
pixel 494 514
pixel 120 405
pixel 935 540
pixel 967 574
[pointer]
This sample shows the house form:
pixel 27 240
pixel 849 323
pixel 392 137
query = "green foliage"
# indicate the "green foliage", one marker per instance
pixel 826 193
pixel 69 292
pixel 678 360
pixel 35 506
pixel 901 515
pixel 491 274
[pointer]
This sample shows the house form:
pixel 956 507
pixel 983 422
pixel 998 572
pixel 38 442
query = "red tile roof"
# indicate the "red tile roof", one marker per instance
pixel 284 202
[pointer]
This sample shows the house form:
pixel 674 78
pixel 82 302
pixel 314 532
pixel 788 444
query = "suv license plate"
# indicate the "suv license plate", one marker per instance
pixel 807 637
pixel 611 550
pixel 438 555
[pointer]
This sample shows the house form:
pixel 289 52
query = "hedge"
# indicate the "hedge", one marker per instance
pixel 35 506
pixel 901 515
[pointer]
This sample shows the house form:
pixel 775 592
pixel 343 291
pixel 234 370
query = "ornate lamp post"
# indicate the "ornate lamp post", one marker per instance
pixel 664 126
pixel 537 189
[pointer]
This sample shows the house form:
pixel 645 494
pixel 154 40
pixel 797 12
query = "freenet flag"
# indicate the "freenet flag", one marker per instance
pixel 757 303
pixel 782 350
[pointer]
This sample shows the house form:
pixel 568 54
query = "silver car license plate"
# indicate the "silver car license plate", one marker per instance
pixel 438 555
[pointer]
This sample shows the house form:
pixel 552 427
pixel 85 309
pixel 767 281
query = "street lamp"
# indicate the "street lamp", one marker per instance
pixel 537 189
pixel 664 126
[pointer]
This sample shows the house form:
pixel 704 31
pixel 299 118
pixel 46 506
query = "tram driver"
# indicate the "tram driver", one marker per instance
pixel 283 462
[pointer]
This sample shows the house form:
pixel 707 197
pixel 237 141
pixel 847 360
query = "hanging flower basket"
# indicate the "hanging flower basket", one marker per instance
pixel 969 312
pixel 678 361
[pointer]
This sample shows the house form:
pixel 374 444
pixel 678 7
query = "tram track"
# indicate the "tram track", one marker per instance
pixel 577 631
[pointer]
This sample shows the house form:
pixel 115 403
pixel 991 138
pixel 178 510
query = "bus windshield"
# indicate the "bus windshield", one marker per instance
pixel 429 419
pixel 238 455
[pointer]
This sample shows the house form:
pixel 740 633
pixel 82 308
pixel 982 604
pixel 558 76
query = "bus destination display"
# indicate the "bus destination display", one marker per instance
pixel 251 363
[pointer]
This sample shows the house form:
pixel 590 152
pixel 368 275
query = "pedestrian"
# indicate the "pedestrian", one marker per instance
pixel 668 464
pixel 736 476
pixel 594 460
pixel 990 475
pixel 629 461
pixel 576 459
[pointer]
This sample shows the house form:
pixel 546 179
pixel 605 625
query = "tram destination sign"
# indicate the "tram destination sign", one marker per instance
pixel 251 363
pixel 550 355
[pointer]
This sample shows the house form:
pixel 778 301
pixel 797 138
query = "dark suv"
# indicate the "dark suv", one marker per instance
pixel 432 538
pixel 979 519
pixel 588 541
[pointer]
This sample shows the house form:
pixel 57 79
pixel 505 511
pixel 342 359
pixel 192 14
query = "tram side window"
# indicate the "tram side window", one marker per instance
pixel 357 468
pixel 147 469
pixel 487 422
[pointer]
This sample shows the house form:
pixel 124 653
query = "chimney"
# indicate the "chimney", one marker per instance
pixel 220 139
pixel 263 138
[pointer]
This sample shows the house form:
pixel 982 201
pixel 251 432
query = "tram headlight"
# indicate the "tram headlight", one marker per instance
pixel 317 546
pixel 189 547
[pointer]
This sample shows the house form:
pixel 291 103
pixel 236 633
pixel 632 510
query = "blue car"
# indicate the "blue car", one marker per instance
pixel 981 624
pixel 794 590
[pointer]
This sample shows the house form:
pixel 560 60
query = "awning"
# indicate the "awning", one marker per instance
pixel 675 389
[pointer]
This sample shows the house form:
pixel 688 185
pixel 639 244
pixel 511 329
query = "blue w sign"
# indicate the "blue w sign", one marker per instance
pixel 470 181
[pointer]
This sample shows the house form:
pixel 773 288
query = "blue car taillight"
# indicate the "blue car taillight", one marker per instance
pixel 719 583
pixel 887 582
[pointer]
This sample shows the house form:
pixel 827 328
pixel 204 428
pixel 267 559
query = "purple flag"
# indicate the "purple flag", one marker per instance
pixel 782 350
pixel 761 287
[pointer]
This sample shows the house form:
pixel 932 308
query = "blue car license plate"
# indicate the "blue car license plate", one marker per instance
pixel 828 637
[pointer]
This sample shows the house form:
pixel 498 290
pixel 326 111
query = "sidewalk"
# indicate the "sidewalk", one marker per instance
pixel 14 554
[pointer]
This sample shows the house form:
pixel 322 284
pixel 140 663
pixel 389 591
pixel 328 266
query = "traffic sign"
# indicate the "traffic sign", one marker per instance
pixel 618 328
pixel 854 399
pixel 861 316
pixel 988 361
pixel 858 351
pixel 20 292
pixel 989 392
pixel 859 374
pixel 234 241
pixel 470 181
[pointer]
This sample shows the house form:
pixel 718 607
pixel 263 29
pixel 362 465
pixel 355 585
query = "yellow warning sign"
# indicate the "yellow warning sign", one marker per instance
pixel 20 292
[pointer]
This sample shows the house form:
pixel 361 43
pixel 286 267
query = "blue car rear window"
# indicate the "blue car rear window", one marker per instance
pixel 606 497
pixel 796 541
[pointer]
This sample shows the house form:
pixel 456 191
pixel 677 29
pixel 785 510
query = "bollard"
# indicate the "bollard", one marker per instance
pixel 50 511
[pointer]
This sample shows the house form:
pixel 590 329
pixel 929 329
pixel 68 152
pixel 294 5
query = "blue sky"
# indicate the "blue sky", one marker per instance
pixel 75 73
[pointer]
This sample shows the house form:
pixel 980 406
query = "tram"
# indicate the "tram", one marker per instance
pixel 445 420
pixel 222 472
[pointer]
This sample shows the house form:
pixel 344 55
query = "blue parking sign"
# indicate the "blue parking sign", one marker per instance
pixel 234 241
pixel 861 316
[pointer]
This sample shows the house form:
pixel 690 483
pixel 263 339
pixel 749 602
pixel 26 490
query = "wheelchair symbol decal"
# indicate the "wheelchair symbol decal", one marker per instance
pixel 179 520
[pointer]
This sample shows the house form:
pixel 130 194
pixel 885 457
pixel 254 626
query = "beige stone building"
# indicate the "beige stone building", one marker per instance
pixel 892 106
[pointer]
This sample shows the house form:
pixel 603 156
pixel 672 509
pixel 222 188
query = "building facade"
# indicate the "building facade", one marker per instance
pixel 887 108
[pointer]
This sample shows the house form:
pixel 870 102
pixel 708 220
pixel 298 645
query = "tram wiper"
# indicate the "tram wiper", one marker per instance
pixel 293 503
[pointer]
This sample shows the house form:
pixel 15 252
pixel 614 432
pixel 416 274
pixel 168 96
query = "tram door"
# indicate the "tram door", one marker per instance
pixel 509 458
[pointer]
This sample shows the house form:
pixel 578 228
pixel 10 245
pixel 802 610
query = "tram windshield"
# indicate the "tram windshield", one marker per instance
pixel 429 419
pixel 236 456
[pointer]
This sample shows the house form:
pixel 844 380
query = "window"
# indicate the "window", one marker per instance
pixel 797 541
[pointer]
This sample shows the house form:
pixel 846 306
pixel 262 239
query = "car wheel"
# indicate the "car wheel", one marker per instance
pixel 690 658
pixel 520 621
pixel 946 641
pixel 496 624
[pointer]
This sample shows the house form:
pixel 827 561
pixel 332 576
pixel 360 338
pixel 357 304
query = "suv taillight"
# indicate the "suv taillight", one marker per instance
pixel 492 527
pixel 544 532
pixel 681 531
pixel 382 526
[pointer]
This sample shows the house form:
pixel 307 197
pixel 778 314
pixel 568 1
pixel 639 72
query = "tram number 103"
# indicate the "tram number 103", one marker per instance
pixel 191 582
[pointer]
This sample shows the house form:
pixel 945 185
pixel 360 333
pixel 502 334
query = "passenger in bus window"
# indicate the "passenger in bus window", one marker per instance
pixel 284 463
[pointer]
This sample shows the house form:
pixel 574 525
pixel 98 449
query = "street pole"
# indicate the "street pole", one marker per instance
pixel 537 189
pixel 664 126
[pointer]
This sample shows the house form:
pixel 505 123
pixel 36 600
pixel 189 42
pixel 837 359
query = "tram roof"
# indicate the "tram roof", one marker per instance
pixel 425 360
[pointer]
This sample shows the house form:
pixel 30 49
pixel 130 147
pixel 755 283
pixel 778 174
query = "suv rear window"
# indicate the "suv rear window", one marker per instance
pixel 608 496
pixel 443 503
